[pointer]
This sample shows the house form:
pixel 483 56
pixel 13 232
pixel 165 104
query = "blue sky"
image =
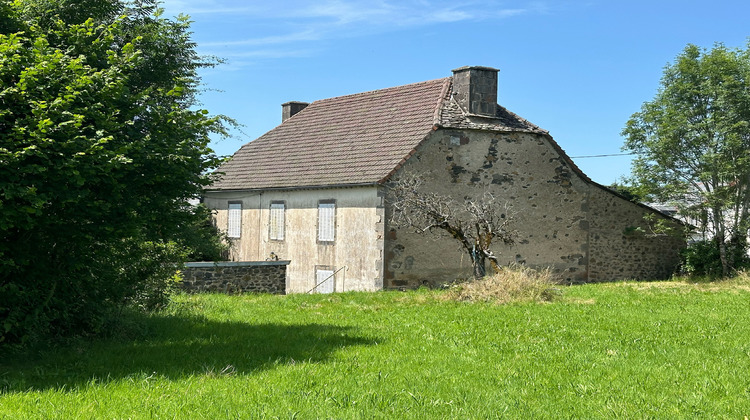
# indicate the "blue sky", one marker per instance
pixel 576 68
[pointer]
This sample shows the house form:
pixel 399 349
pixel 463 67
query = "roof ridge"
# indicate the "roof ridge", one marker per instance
pixel 380 90
pixel 524 120
pixel 438 115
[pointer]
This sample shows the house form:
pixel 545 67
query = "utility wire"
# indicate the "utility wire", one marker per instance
pixel 599 156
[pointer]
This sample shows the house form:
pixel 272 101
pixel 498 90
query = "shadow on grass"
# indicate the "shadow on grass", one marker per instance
pixel 175 347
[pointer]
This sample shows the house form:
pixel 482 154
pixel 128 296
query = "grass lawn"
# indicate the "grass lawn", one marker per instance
pixel 627 350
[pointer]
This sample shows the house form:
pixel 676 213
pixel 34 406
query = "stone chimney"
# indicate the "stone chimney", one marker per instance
pixel 475 90
pixel 290 108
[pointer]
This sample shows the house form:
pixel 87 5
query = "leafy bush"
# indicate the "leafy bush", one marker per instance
pixel 702 258
pixel 160 269
pixel 206 240
pixel 101 149
pixel 512 284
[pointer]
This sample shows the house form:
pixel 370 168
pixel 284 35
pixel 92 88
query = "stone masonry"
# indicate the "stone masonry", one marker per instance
pixel 235 277
pixel 574 227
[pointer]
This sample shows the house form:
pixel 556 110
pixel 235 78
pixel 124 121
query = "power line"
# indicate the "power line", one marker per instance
pixel 599 156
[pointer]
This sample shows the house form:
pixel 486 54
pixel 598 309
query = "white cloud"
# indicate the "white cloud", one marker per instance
pixel 344 13
pixel 202 7
pixel 389 13
pixel 271 53
pixel 309 35
pixel 322 20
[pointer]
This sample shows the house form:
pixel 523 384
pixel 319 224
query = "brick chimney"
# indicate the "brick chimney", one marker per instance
pixel 475 90
pixel 290 108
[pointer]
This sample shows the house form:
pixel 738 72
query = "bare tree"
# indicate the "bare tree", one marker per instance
pixel 475 223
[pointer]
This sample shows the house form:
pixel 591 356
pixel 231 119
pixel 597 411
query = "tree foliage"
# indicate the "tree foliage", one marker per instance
pixel 692 143
pixel 629 192
pixel 100 149
pixel 474 223
pixel 702 258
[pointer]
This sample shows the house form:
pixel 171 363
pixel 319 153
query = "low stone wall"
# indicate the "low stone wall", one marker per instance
pixel 235 277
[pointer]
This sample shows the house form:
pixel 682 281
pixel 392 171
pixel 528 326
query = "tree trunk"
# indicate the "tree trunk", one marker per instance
pixel 478 260
pixel 736 251
pixel 725 267
pixel 495 266
pixel 720 238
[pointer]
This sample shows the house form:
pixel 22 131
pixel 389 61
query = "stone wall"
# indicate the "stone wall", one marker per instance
pixel 618 251
pixel 564 221
pixel 235 277
pixel 522 170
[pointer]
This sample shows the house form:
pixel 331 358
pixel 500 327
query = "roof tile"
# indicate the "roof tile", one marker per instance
pixel 354 139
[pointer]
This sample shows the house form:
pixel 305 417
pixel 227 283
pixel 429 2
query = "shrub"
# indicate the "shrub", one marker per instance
pixel 102 148
pixel 156 274
pixel 206 241
pixel 513 284
pixel 702 258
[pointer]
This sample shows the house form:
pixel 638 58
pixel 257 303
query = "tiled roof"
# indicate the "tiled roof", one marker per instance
pixel 355 139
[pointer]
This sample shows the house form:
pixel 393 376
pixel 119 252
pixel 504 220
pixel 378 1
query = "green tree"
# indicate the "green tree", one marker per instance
pixel 692 143
pixel 101 148
pixel 630 192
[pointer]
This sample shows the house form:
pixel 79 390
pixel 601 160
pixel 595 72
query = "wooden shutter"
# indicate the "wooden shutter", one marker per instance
pixel 326 221
pixel 276 224
pixel 234 220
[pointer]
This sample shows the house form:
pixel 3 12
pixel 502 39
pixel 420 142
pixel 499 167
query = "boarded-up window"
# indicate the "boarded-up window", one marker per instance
pixel 325 281
pixel 326 221
pixel 234 220
pixel 276 222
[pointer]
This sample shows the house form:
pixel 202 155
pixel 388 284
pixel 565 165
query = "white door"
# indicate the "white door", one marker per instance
pixel 325 281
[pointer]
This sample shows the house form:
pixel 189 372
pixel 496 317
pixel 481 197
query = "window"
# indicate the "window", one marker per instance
pixel 234 220
pixel 326 221
pixel 325 281
pixel 276 222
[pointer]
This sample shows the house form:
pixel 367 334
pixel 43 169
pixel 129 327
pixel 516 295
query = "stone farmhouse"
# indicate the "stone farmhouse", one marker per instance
pixel 314 191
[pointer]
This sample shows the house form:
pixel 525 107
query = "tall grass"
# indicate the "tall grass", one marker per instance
pixel 512 284
pixel 622 350
pixel 740 281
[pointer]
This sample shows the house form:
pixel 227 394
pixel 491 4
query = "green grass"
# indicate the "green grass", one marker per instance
pixel 624 350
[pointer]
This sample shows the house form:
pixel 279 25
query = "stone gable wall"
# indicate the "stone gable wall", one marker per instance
pixel 235 277
pixel 565 222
